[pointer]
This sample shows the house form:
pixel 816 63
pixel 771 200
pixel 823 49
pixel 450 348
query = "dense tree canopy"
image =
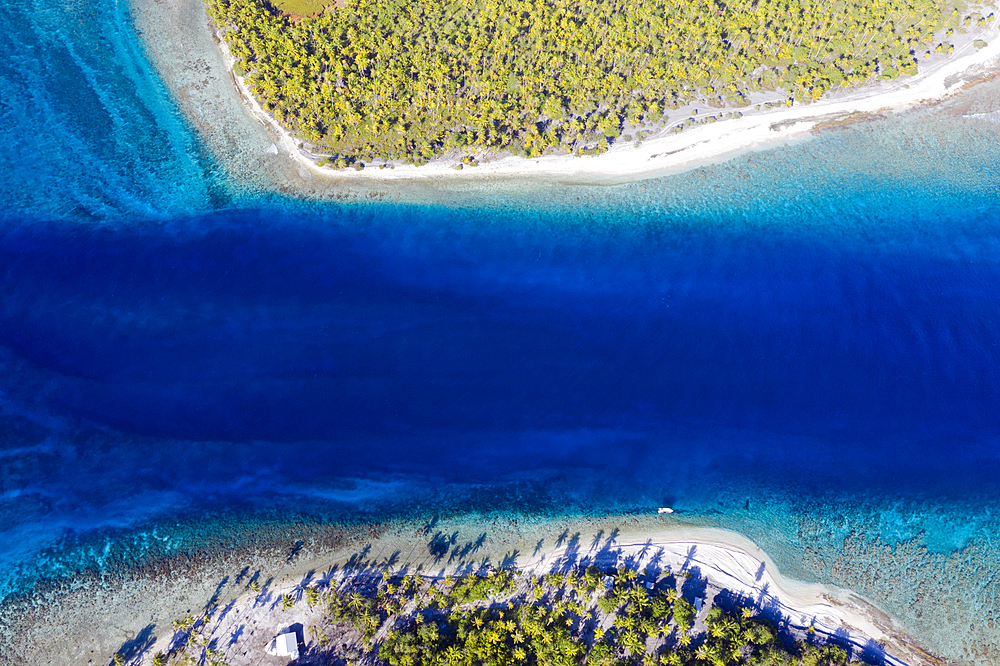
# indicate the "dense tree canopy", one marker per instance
pixel 562 622
pixel 412 79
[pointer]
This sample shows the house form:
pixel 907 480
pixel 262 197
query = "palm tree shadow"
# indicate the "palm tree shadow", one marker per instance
pixel 132 650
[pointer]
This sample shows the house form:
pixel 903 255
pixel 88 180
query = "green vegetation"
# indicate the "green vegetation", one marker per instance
pixel 405 80
pixel 192 633
pixel 502 620
pixel 301 7
pixel 507 619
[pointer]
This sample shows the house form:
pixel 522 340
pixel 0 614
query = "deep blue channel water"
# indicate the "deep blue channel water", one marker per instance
pixel 805 328
pixel 264 325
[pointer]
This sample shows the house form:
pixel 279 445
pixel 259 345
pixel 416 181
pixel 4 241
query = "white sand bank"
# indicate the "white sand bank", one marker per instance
pixel 700 145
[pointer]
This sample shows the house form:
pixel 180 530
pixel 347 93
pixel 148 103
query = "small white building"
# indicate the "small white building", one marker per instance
pixel 285 645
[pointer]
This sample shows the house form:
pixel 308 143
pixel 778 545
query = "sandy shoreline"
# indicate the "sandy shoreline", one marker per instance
pixel 704 144
pixel 131 611
pixel 727 560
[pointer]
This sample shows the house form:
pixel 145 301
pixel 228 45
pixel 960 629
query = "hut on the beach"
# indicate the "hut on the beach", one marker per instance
pixel 285 645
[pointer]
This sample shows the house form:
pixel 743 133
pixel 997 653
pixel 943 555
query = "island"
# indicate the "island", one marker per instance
pixel 358 84
pixel 501 618
pixel 673 596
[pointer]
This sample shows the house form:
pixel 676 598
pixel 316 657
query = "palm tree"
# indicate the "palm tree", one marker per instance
pixel 453 655
pixel 631 643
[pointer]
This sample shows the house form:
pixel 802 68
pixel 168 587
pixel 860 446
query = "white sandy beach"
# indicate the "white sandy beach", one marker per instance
pixel 727 560
pixel 667 153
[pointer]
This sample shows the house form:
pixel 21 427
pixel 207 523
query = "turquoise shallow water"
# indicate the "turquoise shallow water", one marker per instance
pixel 800 344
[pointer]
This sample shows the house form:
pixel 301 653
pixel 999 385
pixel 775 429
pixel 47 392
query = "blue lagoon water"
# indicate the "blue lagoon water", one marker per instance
pixel 801 344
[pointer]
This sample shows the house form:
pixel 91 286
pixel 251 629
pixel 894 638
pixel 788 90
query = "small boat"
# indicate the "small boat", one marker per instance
pixel 664 509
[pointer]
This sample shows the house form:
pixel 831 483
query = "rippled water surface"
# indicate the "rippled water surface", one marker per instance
pixel 801 344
